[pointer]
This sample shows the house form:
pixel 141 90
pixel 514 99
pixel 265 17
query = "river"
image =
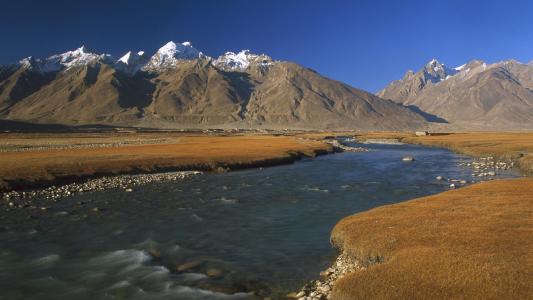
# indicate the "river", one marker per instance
pixel 263 231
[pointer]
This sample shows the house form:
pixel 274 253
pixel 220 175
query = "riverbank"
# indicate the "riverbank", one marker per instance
pixel 467 243
pixel 516 147
pixel 35 161
pixel 474 242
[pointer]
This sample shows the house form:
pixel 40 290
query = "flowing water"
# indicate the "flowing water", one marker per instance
pixel 260 230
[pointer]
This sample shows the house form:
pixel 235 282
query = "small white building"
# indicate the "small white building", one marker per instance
pixel 421 133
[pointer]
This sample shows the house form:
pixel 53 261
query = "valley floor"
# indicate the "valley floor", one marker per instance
pixel 473 242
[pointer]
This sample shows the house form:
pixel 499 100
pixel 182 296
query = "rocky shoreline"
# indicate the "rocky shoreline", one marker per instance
pixel 20 199
pixel 339 147
pixel 321 289
pixel 489 166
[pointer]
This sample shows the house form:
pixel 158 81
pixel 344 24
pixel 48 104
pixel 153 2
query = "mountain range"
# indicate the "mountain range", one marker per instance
pixel 180 87
pixel 476 95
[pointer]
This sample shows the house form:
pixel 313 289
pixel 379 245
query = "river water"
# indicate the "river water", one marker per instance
pixel 263 231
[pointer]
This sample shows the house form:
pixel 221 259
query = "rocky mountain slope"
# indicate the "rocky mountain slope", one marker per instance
pixel 180 87
pixel 476 95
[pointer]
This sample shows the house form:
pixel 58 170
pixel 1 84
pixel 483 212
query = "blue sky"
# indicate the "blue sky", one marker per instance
pixel 363 43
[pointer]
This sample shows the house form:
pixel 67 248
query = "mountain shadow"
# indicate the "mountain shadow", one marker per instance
pixel 429 117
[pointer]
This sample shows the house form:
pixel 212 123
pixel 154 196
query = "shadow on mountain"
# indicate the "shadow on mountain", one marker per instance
pixel 243 87
pixel 134 91
pixel 429 117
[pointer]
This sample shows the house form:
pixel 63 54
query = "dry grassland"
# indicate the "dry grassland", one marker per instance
pixel 471 243
pixel 31 168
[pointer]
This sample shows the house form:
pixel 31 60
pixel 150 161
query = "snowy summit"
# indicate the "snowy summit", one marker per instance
pixel 132 62
pixel 167 57
pixel 434 71
pixel 79 57
pixel 170 54
pixel 242 60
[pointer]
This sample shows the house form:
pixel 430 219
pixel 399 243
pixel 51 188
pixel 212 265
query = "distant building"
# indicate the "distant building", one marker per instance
pixel 421 133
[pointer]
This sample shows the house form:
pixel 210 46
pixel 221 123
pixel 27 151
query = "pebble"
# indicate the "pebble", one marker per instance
pixel 343 148
pixel 189 265
pixel 321 289
pixel 488 166
pixel 155 253
pixel 125 182
pixel 213 273
pixel 408 158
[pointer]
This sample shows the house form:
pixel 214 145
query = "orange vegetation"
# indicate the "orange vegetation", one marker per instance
pixel 21 169
pixel 471 243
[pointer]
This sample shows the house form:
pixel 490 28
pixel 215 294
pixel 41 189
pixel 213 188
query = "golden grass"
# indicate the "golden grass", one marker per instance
pixel 516 146
pixel 189 152
pixel 471 243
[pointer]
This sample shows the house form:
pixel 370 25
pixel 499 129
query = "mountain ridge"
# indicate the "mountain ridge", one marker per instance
pixel 179 86
pixel 477 96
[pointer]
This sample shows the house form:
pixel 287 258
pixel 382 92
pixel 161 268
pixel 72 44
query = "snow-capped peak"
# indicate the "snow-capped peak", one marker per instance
pixel 435 65
pixel 131 58
pixel 171 53
pixel 436 71
pixel 126 58
pixel 241 60
pixel 78 57
pixel 27 62
pixel 132 62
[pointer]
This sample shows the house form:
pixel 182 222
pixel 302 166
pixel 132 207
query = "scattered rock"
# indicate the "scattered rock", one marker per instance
pixel 321 289
pixel 343 148
pixel 189 265
pixel 213 273
pixel 155 253
pixel 124 182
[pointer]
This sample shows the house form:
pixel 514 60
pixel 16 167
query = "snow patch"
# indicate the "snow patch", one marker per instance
pixel 242 60
pixel 131 62
pixel 460 68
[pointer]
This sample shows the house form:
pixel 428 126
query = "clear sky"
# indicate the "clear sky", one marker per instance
pixel 363 43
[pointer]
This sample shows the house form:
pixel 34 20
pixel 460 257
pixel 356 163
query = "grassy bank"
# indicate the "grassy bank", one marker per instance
pixel 515 146
pixel 471 243
pixel 45 160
